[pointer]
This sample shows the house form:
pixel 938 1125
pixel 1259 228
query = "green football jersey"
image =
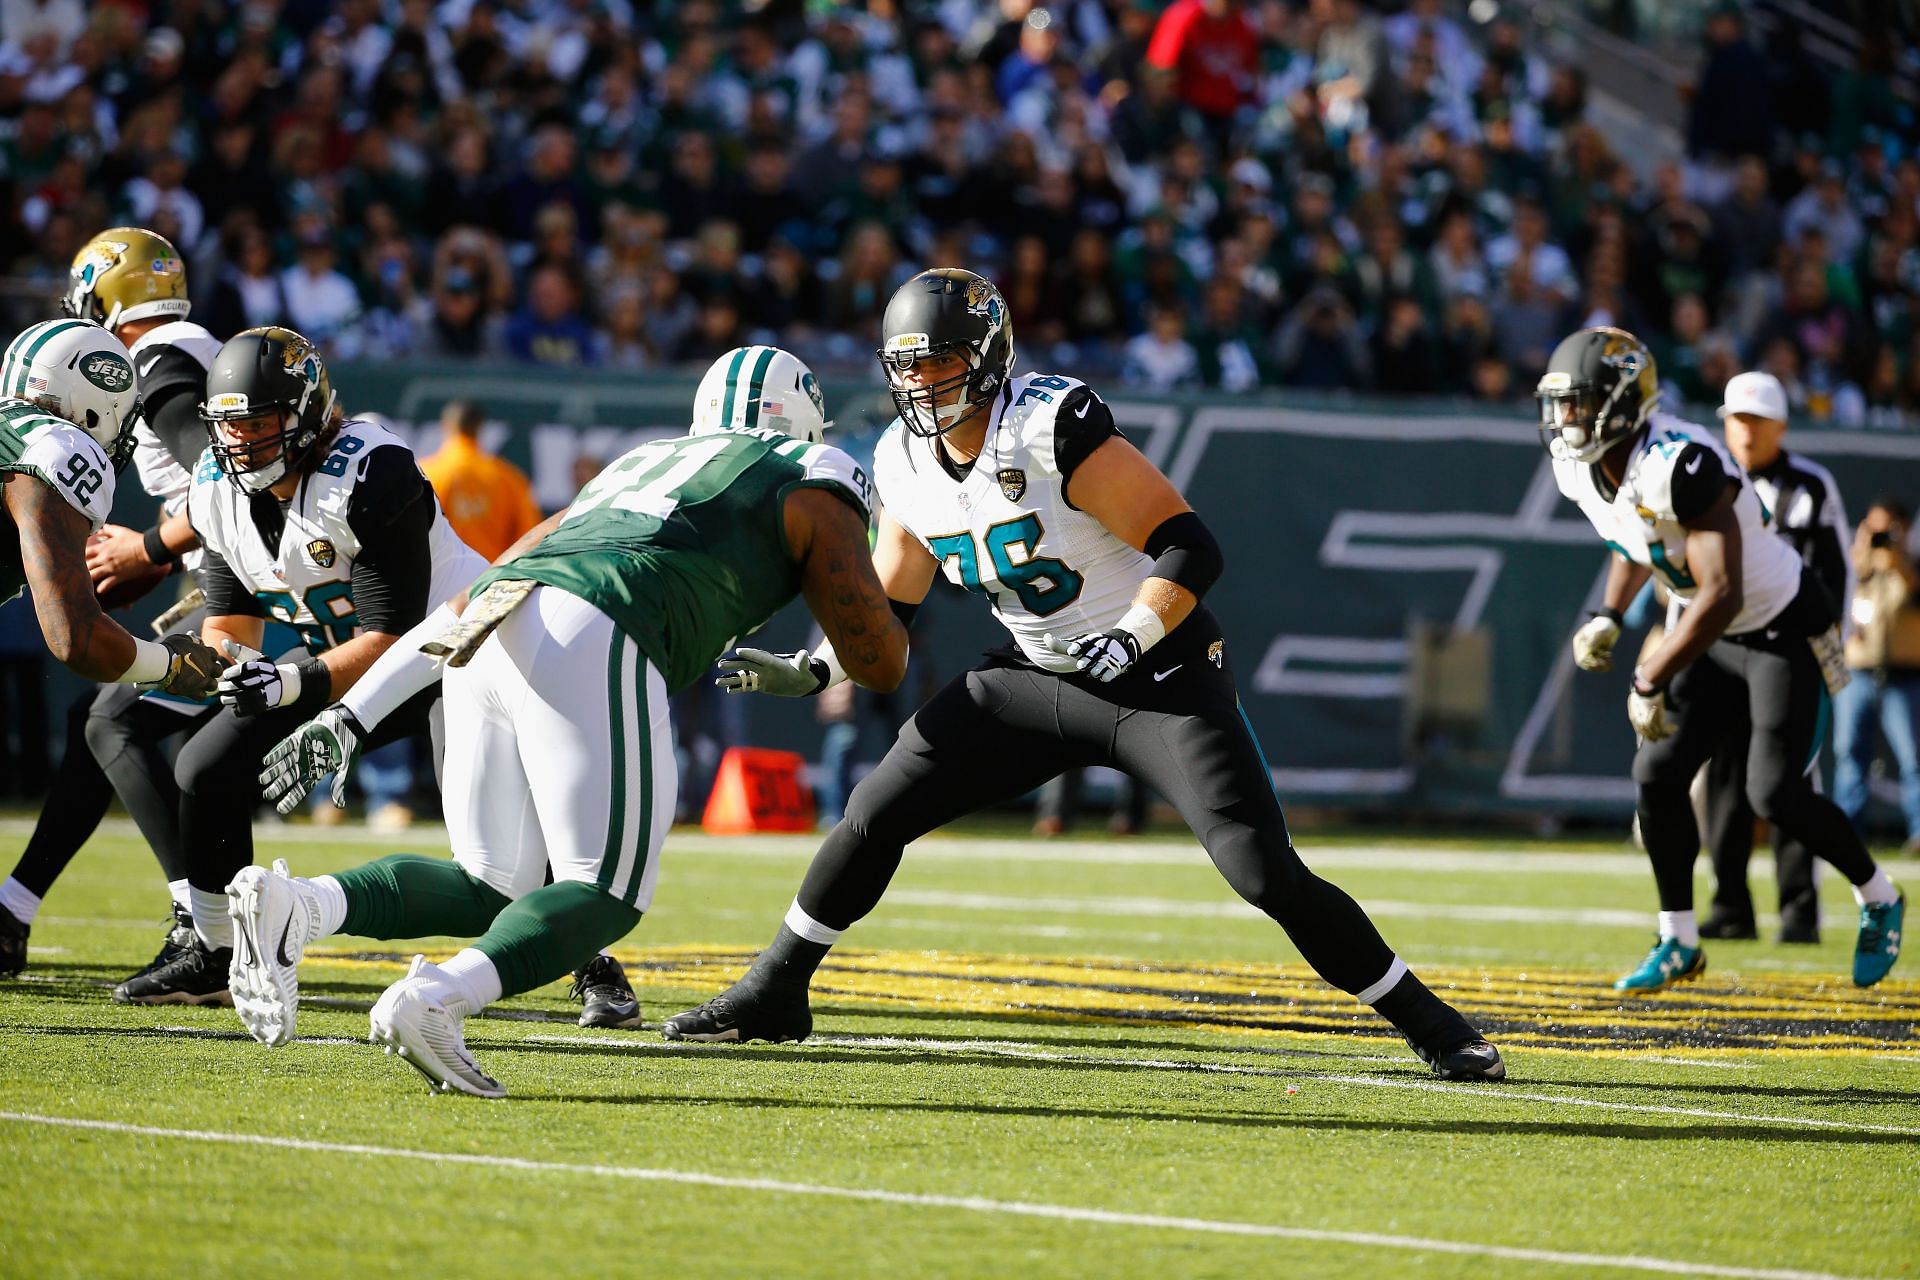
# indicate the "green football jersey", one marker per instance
pixel 36 443
pixel 683 542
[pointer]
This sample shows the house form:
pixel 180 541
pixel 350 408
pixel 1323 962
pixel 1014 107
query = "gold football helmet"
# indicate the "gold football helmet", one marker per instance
pixel 125 274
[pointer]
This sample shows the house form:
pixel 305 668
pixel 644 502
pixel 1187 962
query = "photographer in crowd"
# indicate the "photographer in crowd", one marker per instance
pixel 1884 652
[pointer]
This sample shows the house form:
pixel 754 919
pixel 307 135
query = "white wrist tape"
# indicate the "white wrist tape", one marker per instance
pixel 836 674
pixel 150 664
pixel 1144 625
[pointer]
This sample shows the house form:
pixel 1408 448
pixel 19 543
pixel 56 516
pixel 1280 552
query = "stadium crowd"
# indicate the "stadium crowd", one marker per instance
pixel 1320 194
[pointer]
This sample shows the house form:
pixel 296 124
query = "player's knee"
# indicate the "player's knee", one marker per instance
pixel 1772 794
pixel 104 733
pixel 1265 871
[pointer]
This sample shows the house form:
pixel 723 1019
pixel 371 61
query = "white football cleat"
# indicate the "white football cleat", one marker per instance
pixel 419 1018
pixel 275 916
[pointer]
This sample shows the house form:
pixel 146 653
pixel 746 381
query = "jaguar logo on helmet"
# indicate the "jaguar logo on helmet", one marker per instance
pixel 107 371
pixel 1013 483
pixel 101 256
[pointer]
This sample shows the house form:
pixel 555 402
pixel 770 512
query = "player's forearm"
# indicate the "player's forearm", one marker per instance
pixel 350 661
pixel 400 673
pixel 52 539
pixel 175 535
pixel 1703 621
pixel 1624 580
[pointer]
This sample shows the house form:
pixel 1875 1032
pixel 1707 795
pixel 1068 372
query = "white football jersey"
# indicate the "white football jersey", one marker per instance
pixel 1639 521
pixel 69 461
pixel 1007 530
pixel 307 581
pixel 160 473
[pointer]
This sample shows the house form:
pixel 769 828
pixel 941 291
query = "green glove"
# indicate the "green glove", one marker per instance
pixel 327 744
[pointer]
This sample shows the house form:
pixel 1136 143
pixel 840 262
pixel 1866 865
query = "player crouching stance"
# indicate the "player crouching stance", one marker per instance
pixel 1755 645
pixel 1024 491
pixel 560 772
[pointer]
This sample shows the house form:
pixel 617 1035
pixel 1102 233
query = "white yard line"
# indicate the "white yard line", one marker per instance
pixel 968 1204
pixel 1032 1050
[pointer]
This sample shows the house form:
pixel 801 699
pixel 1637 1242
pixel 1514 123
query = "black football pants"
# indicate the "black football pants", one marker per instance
pixel 1173 722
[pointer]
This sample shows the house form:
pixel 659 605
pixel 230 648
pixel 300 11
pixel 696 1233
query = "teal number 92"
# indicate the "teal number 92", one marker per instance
pixel 1043 584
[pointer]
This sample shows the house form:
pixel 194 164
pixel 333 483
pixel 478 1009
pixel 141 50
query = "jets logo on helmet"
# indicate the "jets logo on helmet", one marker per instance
pixel 126 274
pixel 945 311
pixel 77 370
pixel 760 388
pixel 1598 389
pixel 258 373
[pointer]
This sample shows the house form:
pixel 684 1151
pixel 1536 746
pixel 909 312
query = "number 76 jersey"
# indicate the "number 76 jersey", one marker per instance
pixel 1005 530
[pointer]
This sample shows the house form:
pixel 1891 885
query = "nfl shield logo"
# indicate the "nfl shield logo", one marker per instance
pixel 322 552
pixel 1013 483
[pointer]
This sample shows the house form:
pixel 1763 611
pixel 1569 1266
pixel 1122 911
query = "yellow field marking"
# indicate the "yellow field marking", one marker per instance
pixel 1575 1012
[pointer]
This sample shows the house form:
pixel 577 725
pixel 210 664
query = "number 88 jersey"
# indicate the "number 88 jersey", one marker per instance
pixel 1005 529
pixel 302 572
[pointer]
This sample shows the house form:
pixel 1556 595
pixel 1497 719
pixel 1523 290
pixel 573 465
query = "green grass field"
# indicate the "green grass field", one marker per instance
pixel 1076 1058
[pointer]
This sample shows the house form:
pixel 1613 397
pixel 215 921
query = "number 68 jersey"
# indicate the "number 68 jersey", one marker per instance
pixel 365 504
pixel 1005 528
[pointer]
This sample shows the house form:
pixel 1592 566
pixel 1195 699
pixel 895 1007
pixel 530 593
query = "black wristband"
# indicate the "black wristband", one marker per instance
pixel 1646 688
pixel 156 547
pixel 822 673
pixel 316 687
pixel 1611 615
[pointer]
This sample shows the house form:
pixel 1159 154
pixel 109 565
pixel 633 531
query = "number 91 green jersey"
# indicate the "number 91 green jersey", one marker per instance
pixel 683 542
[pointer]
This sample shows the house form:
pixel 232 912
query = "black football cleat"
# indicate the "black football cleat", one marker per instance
pixel 739 1016
pixel 605 995
pixel 195 976
pixel 179 937
pixel 1800 926
pixel 1729 925
pixel 13 944
pixel 1473 1059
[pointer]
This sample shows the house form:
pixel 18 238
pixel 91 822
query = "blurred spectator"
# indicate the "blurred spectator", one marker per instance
pixel 487 499
pixel 1162 360
pixel 321 302
pixel 1883 649
pixel 1320 344
pixel 249 292
pixel 550 328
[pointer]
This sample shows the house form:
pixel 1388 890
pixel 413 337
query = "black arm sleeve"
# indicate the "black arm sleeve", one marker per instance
pixel 1082 424
pixel 226 594
pixel 1698 482
pixel 391 513
pixel 1184 553
pixel 171 388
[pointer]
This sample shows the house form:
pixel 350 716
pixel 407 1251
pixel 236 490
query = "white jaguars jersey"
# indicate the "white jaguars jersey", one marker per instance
pixel 1007 530
pixel 160 474
pixel 307 580
pixel 1639 521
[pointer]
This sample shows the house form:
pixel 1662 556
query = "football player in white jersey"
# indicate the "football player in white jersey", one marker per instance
pixel 133 282
pixel 67 404
pixel 1802 505
pixel 1755 647
pixel 1021 489
pixel 312 520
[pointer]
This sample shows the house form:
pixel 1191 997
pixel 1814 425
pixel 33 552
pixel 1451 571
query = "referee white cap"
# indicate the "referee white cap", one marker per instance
pixel 1755 393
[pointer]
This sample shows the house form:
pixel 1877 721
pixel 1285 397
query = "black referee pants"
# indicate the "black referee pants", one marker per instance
pixel 1173 722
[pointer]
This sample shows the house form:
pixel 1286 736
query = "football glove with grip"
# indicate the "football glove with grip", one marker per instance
pixel 1647 709
pixel 330 743
pixel 1104 655
pixel 1593 643
pixel 255 685
pixel 193 668
pixel 784 675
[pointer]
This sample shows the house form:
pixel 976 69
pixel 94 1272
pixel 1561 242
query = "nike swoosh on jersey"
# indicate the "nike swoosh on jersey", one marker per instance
pixel 1162 675
pixel 1694 465
pixel 1081 412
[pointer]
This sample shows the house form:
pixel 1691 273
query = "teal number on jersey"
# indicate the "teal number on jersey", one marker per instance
pixel 1043 584
pixel 337 462
pixel 1032 391
pixel 331 604
pixel 1677 578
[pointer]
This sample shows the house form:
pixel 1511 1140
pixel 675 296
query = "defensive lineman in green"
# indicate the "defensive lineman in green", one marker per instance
pixel 560 775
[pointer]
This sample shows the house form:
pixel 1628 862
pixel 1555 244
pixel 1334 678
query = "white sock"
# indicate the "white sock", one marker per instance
pixel 1388 981
pixel 333 904
pixel 1877 890
pixel 1680 926
pixel 474 978
pixel 182 894
pixel 210 918
pixel 21 902
pixel 809 928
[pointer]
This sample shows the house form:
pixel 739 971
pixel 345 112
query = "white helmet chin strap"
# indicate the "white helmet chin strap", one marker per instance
pixel 266 477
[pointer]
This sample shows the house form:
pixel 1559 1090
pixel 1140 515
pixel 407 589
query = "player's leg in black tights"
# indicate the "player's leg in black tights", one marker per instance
pixel 124 735
pixel 1701 700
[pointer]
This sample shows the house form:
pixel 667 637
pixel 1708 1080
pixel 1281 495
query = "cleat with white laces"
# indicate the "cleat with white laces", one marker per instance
pixel 275 915
pixel 606 997
pixel 1670 962
pixel 1879 943
pixel 418 1018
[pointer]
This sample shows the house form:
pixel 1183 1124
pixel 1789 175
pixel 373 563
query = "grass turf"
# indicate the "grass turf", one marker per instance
pixel 1026 1032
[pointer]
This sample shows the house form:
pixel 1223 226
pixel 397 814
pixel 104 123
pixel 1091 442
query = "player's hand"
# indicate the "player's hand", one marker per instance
pixel 254 685
pixel 1593 643
pixel 118 565
pixel 1104 655
pixel 1647 709
pixel 330 743
pixel 784 675
pixel 193 668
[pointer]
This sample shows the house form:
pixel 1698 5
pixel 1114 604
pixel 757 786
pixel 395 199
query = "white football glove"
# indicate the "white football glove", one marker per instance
pixel 327 744
pixel 784 675
pixel 255 685
pixel 1104 655
pixel 1593 643
pixel 1647 709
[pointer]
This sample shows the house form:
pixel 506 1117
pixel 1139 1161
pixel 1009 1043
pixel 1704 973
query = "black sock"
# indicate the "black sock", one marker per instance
pixel 1424 1017
pixel 787 963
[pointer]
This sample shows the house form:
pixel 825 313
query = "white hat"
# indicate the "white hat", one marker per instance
pixel 1756 393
